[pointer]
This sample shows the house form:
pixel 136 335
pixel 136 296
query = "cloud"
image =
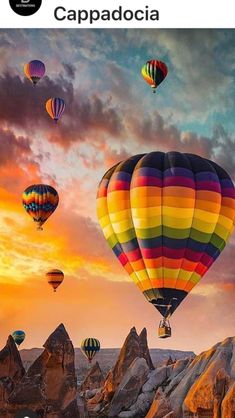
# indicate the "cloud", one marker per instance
pixel 200 78
pixel 110 115
pixel 70 70
pixel 23 106
pixel 12 148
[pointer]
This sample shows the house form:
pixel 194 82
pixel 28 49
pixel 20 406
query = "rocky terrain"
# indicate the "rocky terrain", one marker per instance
pixel 106 358
pixel 201 386
pixel 49 387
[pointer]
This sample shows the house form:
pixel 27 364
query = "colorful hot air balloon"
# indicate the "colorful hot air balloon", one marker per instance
pixel 90 346
pixel 40 201
pixel 167 217
pixel 34 70
pixel 154 72
pixel 55 108
pixel 55 278
pixel 18 337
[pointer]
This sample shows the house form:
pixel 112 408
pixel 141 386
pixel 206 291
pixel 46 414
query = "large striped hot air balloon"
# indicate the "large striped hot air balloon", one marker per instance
pixel 40 201
pixel 18 337
pixel 34 71
pixel 154 72
pixel 90 346
pixel 167 217
pixel 55 277
pixel 55 108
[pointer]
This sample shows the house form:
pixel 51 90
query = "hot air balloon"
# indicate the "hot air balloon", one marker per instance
pixel 40 201
pixel 154 72
pixel 18 337
pixel 167 217
pixel 55 108
pixel 34 70
pixel 55 278
pixel 90 346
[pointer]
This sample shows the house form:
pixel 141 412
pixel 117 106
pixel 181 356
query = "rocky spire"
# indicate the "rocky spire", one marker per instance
pixel 50 382
pixel 11 370
pixel 94 378
pixel 144 348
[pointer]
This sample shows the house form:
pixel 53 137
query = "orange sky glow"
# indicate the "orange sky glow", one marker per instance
pixel 104 123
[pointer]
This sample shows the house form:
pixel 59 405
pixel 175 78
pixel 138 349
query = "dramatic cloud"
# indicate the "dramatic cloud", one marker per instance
pixel 70 70
pixel 23 106
pixel 12 148
pixel 110 115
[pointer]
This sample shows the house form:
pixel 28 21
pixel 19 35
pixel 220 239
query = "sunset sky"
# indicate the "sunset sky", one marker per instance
pixel 111 114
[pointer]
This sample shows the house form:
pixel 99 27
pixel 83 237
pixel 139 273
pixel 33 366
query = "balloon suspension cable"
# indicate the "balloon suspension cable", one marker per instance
pixel 168 313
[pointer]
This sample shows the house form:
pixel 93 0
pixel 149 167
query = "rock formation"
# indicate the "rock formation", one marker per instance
pixel 130 387
pixel 169 361
pixel 205 387
pixel 49 387
pixel 144 350
pixel 200 387
pixel 134 347
pixel 94 378
pixel 11 369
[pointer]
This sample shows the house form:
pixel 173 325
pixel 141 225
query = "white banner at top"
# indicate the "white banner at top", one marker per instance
pixel 117 14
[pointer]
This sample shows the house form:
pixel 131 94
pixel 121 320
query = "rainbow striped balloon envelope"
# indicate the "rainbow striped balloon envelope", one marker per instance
pixel 154 72
pixel 40 201
pixel 167 217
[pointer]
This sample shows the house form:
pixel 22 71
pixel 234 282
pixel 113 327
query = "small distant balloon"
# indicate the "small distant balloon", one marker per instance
pixel 40 201
pixel 154 72
pixel 54 278
pixel 18 337
pixel 55 108
pixel 89 347
pixel 34 71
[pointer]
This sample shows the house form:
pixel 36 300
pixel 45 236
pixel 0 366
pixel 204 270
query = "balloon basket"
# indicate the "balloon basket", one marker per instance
pixel 164 330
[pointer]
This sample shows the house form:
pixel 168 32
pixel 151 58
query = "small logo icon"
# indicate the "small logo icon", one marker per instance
pixel 25 7
pixel 26 413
